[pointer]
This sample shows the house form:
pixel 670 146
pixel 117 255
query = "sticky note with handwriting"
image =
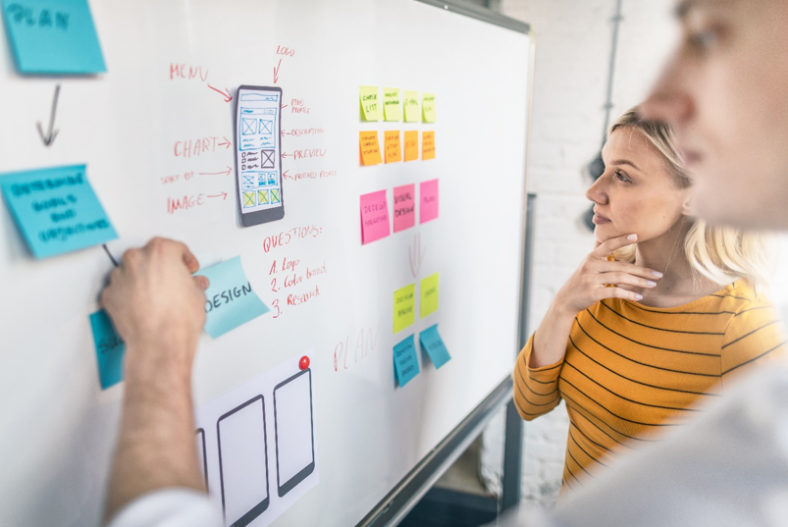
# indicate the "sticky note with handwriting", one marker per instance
pixel 392 146
pixel 406 361
pixel 230 300
pixel 432 343
pixel 411 145
pixel 56 209
pixel 427 145
pixel 370 104
pixel 110 349
pixel 370 148
pixel 430 287
pixel 428 205
pixel 411 103
pixel 53 36
pixel 392 104
pixel 404 307
pixel 374 217
pixel 404 207
pixel 428 107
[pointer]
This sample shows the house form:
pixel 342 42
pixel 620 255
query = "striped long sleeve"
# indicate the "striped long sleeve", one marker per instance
pixel 535 389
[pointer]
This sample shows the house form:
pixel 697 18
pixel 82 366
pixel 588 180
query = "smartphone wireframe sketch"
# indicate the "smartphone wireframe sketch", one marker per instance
pixel 258 154
pixel 199 436
pixel 243 462
pixel 294 431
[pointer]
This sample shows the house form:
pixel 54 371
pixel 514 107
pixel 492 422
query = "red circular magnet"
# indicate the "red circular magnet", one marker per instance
pixel 304 362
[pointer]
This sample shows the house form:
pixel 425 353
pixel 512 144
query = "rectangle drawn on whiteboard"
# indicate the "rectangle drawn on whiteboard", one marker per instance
pixel 294 425
pixel 243 462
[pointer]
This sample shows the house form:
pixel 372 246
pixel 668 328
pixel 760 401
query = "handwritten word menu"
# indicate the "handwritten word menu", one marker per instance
pixel 428 208
pixel 374 217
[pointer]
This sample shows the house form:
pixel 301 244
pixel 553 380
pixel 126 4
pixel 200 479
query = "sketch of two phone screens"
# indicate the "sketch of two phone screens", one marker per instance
pixel 243 449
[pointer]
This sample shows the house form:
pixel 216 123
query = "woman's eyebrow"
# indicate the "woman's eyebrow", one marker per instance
pixel 625 162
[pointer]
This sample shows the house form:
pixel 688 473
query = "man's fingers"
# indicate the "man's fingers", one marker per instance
pixel 190 260
pixel 613 244
pixel 202 282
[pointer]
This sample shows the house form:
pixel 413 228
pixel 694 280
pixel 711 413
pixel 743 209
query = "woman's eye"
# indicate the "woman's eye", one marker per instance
pixel 622 177
pixel 704 40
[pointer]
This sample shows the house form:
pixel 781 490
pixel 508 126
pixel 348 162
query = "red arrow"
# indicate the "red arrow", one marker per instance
pixel 225 93
pixel 284 174
pixel 285 106
pixel 223 195
pixel 286 155
pixel 276 72
pixel 284 133
pixel 225 172
pixel 226 143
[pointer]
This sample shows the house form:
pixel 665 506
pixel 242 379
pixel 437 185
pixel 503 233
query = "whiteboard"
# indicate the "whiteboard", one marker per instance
pixel 58 427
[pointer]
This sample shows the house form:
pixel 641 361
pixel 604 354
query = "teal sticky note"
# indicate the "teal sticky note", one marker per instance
pixel 432 343
pixel 406 362
pixel 53 36
pixel 109 349
pixel 230 301
pixel 56 209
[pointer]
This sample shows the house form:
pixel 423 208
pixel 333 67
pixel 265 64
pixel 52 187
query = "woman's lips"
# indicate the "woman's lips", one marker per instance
pixel 599 220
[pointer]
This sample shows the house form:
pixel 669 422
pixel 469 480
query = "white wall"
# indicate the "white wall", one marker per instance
pixel 573 43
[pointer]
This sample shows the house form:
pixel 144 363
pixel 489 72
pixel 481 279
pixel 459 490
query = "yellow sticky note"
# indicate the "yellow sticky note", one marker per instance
pixel 392 105
pixel 411 102
pixel 411 145
pixel 370 148
pixel 404 307
pixel 393 146
pixel 428 145
pixel 428 107
pixel 370 104
pixel 430 287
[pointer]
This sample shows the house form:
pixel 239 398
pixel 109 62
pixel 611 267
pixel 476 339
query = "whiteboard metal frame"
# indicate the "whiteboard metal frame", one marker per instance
pixel 480 13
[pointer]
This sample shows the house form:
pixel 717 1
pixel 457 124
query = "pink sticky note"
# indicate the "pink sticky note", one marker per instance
pixel 428 209
pixel 404 207
pixel 374 217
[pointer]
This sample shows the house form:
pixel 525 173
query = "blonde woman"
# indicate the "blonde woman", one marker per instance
pixel 658 318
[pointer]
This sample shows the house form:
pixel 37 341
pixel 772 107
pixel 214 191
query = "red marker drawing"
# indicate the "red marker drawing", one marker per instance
pixel 304 362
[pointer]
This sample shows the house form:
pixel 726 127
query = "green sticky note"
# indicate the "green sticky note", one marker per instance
pixel 392 105
pixel 428 107
pixel 404 307
pixel 370 103
pixel 411 102
pixel 429 295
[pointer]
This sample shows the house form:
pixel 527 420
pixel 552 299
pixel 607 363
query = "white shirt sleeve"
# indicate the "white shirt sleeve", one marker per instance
pixel 174 507
pixel 729 468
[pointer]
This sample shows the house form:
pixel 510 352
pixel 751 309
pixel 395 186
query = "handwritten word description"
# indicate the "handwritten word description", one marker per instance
pixel 374 217
pixel 404 207
pixel 411 145
pixel 432 343
pixel 230 301
pixel 109 349
pixel 53 36
pixel 392 104
pixel 428 208
pixel 370 105
pixel 406 362
pixel 427 145
pixel 411 101
pixel 428 107
pixel 393 146
pixel 404 307
pixel 369 148
pixel 429 295
pixel 56 210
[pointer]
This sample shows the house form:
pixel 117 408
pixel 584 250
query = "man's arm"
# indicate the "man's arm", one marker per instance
pixel 158 309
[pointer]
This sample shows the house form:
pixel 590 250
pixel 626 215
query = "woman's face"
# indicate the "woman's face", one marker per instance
pixel 636 194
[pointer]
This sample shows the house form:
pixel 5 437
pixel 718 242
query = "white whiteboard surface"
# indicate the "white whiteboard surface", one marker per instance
pixel 57 427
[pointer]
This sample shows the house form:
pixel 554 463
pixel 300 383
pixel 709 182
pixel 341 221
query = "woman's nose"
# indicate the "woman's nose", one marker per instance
pixel 596 192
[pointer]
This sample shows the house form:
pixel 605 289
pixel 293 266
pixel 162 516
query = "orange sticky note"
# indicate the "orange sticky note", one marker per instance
pixel 370 148
pixel 411 145
pixel 427 145
pixel 393 146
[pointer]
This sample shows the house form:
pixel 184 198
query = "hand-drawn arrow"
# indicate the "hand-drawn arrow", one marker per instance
pixel 49 138
pixel 225 172
pixel 284 174
pixel 285 106
pixel 284 154
pixel 223 195
pixel 225 93
pixel 284 133
pixel 226 143
pixel 276 72
pixel 416 255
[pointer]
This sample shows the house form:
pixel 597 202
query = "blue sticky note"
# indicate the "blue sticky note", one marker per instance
pixel 406 362
pixel 56 209
pixel 109 349
pixel 230 301
pixel 53 36
pixel 432 343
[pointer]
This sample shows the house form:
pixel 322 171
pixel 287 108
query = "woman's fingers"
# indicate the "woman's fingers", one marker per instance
pixel 620 278
pixel 618 292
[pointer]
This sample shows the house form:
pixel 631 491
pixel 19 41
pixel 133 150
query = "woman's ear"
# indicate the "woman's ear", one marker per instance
pixel 687 208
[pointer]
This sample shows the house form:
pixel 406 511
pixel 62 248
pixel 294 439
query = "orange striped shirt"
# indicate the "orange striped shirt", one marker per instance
pixel 632 370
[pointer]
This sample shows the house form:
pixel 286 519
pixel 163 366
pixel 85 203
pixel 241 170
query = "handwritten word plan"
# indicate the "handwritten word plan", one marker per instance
pixel 369 148
pixel 432 343
pixel 53 36
pixel 406 361
pixel 404 207
pixel 230 300
pixel 393 146
pixel 428 207
pixel 374 217
pixel 370 105
pixel 404 307
pixel 411 145
pixel 56 209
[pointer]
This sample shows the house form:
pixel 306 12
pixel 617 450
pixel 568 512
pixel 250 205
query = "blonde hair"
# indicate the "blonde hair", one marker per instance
pixel 721 254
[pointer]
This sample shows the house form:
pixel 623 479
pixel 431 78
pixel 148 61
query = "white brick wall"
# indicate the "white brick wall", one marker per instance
pixel 573 39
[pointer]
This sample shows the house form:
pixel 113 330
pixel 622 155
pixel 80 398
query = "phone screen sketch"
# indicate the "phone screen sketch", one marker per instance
pixel 243 462
pixel 258 152
pixel 295 438
pixel 203 460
